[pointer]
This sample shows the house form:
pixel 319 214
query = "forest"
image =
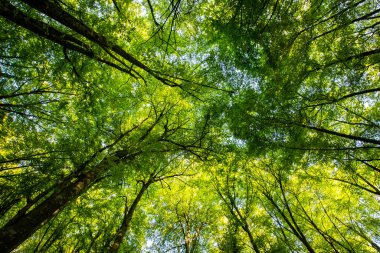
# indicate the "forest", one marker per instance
pixel 189 126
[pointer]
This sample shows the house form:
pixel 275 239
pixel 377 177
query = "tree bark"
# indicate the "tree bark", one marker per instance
pixel 54 11
pixel 232 207
pixel 11 13
pixel 18 230
pixel 297 232
pixel 121 232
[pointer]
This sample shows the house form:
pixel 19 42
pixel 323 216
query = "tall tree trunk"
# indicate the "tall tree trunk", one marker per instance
pixel 293 227
pixel 121 232
pixel 55 11
pixel 15 15
pixel 235 212
pixel 251 239
pixel 18 230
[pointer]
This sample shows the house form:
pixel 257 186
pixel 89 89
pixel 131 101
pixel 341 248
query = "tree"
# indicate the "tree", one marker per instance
pixel 86 174
pixel 157 175
pixel 184 220
pixel 189 126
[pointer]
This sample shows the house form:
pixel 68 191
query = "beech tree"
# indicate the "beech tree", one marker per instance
pixel 189 126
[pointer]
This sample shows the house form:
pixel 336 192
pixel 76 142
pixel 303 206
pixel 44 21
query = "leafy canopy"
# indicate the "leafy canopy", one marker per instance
pixel 189 126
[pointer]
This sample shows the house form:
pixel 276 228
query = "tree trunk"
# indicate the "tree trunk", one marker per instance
pixel 11 13
pixel 251 239
pixel 294 227
pixel 18 230
pixel 55 11
pixel 121 232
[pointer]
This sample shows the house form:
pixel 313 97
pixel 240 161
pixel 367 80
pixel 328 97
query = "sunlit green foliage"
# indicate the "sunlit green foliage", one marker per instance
pixel 189 126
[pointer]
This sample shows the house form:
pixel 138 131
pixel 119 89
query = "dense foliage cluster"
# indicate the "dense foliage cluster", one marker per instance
pixel 190 126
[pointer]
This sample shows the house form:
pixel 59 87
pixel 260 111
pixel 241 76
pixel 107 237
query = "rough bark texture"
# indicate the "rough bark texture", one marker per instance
pixel 18 230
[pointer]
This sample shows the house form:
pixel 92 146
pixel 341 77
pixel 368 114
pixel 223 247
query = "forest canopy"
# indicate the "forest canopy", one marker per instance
pixel 190 126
